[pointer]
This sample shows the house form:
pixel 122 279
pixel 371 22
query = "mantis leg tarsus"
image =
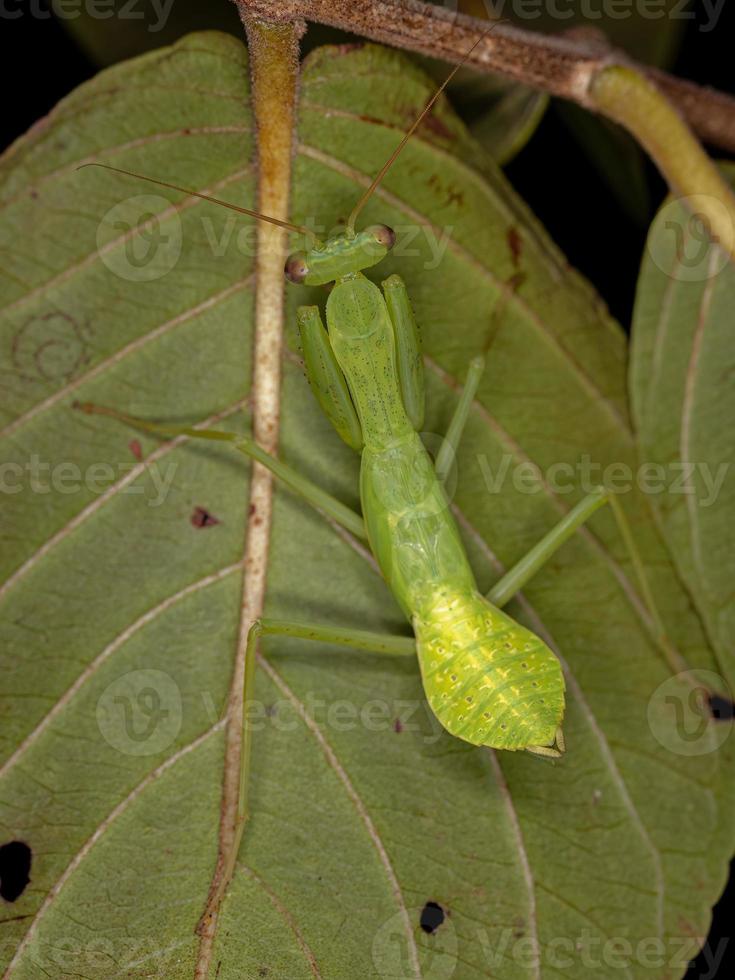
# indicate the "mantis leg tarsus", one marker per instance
pixel 554 751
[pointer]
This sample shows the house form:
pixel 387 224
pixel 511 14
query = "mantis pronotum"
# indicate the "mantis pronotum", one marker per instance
pixel 489 680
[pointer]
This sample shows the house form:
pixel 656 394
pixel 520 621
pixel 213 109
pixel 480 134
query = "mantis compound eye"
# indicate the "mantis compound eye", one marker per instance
pixel 384 235
pixel 296 268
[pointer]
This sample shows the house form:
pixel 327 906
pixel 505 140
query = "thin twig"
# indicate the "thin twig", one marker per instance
pixel 560 65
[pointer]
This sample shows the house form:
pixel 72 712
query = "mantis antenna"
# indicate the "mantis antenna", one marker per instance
pixel 399 149
pixel 299 229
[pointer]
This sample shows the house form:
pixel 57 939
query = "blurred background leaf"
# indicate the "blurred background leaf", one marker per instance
pixel 682 379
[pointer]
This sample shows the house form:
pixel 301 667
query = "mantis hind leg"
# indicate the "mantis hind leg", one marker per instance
pixel 395 646
pixel 296 481
pixel 514 580
pixel 531 563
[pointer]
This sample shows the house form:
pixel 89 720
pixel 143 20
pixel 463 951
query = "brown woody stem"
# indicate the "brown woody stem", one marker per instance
pixel 659 110
pixel 560 65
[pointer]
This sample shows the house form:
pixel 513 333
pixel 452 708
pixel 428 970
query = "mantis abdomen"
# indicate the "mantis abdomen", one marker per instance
pixel 488 680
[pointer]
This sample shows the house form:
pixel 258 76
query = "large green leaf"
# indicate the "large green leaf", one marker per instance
pixel 123 604
pixel 682 371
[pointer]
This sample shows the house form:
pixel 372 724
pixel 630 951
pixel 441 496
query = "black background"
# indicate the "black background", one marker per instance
pixel 39 63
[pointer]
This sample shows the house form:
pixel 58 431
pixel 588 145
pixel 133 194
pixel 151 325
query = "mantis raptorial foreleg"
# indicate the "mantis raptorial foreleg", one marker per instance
pixel 409 364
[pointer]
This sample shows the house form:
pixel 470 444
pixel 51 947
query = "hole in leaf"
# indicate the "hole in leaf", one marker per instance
pixel 432 916
pixel 15 868
pixel 721 709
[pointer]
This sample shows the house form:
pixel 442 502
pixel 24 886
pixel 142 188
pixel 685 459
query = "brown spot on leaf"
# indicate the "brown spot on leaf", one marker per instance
pixel 686 928
pixel 202 518
pixel 437 127
pixel 371 119
pixel 515 244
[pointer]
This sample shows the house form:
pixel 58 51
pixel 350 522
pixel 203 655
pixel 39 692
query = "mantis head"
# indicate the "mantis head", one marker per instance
pixel 341 256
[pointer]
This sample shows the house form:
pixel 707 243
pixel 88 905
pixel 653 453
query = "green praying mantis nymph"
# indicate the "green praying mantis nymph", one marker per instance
pixel 488 679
